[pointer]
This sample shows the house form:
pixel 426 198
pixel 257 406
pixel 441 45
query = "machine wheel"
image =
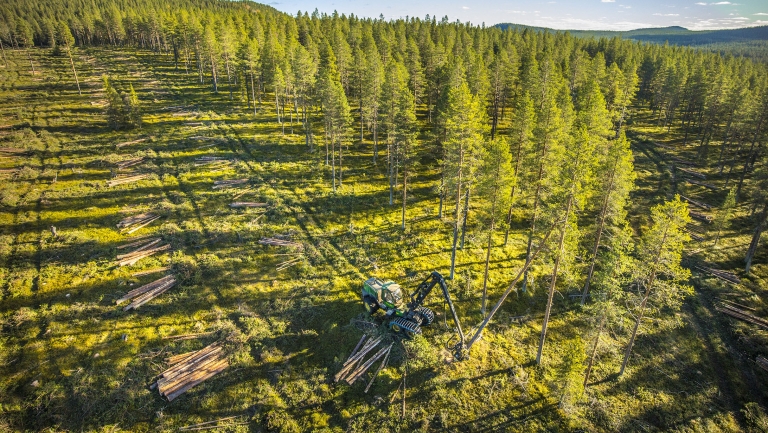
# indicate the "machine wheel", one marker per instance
pixel 370 305
pixel 408 327
pixel 425 315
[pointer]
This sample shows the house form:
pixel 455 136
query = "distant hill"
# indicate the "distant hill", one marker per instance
pixel 749 42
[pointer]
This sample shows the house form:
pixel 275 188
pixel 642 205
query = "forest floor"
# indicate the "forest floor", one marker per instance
pixel 70 359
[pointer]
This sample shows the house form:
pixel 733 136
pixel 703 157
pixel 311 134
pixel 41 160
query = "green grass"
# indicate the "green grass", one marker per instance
pixel 290 331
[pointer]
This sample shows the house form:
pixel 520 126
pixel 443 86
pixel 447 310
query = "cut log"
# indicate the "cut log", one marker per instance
pixel 143 224
pixel 700 217
pixel 352 378
pixel 245 204
pixel 13 150
pixel 129 163
pixel 149 295
pixel 199 378
pixel 228 183
pixel 144 254
pixel 705 185
pixel 742 315
pixel 143 247
pixel 127 179
pixel 696 203
pixel 145 288
pixel 128 143
pixel 762 362
pixel 278 242
pixel 135 219
pixel 693 173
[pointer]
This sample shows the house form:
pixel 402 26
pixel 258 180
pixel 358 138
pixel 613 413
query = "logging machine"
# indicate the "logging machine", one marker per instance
pixel 408 316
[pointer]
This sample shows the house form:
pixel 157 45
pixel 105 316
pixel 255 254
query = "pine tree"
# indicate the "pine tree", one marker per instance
pixel 658 274
pixel 132 109
pixel 496 180
pixel 115 108
pixel 521 140
pixel 464 128
pixel 66 39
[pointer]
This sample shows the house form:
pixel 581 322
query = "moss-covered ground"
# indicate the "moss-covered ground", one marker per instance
pixel 71 360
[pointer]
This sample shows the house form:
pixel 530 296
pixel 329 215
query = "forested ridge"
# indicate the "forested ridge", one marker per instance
pixel 632 175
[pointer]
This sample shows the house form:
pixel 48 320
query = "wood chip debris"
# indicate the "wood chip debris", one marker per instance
pixel 228 183
pixel 723 275
pixel 126 179
pixel 742 315
pixel 141 295
pixel 278 242
pixel 355 366
pixel 128 143
pixel 191 369
pixel 241 204
pixel 133 223
pixel 129 163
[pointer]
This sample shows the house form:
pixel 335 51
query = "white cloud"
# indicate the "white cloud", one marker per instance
pixel 762 13
pixel 722 3
pixel 465 7
pixel 701 4
pixel 667 15
pixel 608 1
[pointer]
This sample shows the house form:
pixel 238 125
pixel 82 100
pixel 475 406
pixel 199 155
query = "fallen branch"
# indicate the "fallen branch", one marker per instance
pixel 696 203
pixel 128 143
pixel 705 185
pixel 692 173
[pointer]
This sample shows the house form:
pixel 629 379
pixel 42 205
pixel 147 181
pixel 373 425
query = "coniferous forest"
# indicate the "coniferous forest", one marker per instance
pixel 193 193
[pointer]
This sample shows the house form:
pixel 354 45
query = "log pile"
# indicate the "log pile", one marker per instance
pixel 762 362
pixel 742 315
pixel 228 183
pixel 355 366
pixel 278 242
pixel 128 143
pixel 141 295
pixel 134 258
pixel 126 179
pixel 700 217
pixel 13 151
pixel 693 173
pixel 129 163
pixel 133 223
pixel 190 369
pixel 696 203
pixel 246 204
pixel 723 275
pixel 705 185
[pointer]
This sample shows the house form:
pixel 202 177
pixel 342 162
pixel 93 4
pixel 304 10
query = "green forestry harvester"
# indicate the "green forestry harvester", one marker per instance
pixel 407 316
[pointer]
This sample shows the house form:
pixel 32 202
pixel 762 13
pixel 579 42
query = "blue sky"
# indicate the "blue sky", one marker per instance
pixel 558 14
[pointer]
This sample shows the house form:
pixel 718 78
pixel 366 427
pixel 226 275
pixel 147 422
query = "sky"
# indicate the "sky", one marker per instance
pixel 557 14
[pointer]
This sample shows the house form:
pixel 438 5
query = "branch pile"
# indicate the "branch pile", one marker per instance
pixel 228 183
pixel 126 179
pixel 742 315
pixel 190 369
pixel 354 367
pixel 133 223
pixel 141 295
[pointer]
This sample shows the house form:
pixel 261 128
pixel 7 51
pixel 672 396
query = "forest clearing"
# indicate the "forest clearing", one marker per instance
pixel 183 242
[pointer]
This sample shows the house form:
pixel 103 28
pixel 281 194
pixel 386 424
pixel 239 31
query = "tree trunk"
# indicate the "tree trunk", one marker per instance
pixel 405 186
pixel 333 162
pixel 512 193
pixel 488 254
pixel 457 213
pixel 594 350
pixel 756 238
pixel 229 81
pixel 29 56
pixel 253 92
pixel 72 62
pixel 552 283
pixel 2 49
pixel 466 217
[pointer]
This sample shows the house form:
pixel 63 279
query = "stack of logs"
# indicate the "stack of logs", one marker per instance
pixel 228 183
pixel 145 248
pixel 354 367
pixel 737 313
pixel 278 242
pixel 121 180
pixel 129 163
pixel 190 369
pixel 133 223
pixel 141 295
pixel 723 275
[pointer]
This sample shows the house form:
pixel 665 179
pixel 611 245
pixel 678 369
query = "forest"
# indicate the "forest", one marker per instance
pixel 596 204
